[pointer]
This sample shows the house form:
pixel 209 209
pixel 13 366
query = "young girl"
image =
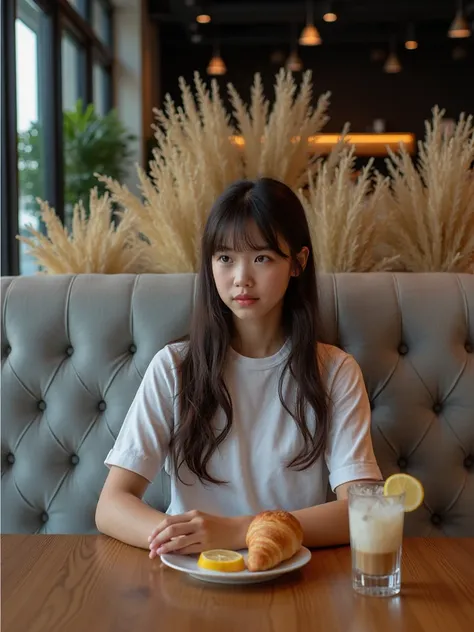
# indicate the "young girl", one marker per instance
pixel 253 412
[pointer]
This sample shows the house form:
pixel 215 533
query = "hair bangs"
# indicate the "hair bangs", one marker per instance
pixel 235 231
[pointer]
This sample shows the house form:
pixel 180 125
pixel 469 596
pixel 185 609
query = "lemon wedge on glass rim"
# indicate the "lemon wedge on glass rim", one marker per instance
pixel 221 560
pixel 399 483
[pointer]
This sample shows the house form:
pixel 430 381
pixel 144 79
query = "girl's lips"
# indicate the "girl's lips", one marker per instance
pixel 246 301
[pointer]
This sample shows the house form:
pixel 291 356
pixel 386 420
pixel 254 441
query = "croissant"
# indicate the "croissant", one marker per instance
pixel 272 537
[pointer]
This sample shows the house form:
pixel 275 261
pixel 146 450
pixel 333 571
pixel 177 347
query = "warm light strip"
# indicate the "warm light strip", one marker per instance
pixel 365 144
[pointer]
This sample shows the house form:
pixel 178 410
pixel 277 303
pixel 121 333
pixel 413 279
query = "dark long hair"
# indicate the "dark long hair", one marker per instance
pixel 278 213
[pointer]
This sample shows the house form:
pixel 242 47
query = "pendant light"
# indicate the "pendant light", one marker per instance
pixel 329 14
pixel 216 66
pixel 203 18
pixel 459 27
pixel 310 35
pixel 410 40
pixel 392 65
pixel 294 63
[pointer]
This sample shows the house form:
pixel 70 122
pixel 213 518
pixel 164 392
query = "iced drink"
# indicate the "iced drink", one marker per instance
pixel 376 530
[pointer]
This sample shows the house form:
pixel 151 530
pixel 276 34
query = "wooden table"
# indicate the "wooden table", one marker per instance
pixel 61 583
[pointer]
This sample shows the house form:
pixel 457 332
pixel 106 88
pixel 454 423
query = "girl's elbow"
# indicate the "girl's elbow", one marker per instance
pixel 100 515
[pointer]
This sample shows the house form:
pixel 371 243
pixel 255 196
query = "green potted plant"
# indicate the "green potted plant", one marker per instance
pixel 92 144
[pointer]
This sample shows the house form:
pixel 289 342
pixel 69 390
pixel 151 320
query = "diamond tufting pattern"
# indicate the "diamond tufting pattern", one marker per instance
pixel 74 349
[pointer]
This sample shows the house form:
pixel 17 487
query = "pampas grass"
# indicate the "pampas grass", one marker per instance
pixel 198 156
pixel 430 212
pixel 276 143
pixel 194 161
pixel 95 244
pixel 342 214
pixel 421 218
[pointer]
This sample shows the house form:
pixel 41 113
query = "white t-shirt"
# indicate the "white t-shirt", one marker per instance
pixel 263 440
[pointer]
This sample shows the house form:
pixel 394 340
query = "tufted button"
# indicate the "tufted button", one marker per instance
pixel 372 404
pixel 468 461
pixel 69 351
pixel 74 459
pixel 402 463
pixel 7 350
pixel 44 517
pixel 437 408
pixel 10 458
pixel 436 519
pixel 102 406
pixel 402 348
pixel 132 349
pixel 468 347
pixel 42 405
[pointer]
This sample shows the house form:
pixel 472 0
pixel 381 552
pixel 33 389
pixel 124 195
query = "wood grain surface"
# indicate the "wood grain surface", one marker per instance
pixel 69 583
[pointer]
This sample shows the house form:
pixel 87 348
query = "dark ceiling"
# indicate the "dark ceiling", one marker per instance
pixel 267 22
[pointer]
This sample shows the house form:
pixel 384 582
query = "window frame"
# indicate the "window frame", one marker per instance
pixel 9 171
pixel 63 17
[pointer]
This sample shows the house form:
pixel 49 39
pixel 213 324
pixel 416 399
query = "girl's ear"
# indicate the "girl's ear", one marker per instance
pixel 302 258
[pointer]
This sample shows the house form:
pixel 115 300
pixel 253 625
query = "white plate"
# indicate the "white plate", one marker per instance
pixel 188 564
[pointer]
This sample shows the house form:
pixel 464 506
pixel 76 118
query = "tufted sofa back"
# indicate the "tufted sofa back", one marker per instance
pixel 74 349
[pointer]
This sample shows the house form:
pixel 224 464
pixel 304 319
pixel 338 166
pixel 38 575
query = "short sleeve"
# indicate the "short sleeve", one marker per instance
pixel 142 444
pixel 349 452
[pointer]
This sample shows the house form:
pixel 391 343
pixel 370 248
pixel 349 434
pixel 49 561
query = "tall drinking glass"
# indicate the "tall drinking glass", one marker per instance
pixel 376 530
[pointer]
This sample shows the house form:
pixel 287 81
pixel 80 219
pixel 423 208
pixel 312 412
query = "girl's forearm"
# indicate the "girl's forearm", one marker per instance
pixel 325 525
pixel 127 518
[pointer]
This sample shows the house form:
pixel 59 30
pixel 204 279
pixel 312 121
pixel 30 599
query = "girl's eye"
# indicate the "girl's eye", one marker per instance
pixel 224 259
pixel 262 259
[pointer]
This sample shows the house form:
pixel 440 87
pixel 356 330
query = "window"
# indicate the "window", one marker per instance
pixel 80 6
pixel 30 31
pixel 73 89
pixel 53 53
pixel 102 89
pixel 101 21
pixel 73 72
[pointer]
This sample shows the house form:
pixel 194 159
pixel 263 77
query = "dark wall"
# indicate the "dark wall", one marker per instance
pixel 361 91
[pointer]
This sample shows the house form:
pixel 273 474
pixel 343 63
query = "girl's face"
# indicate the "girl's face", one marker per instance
pixel 252 283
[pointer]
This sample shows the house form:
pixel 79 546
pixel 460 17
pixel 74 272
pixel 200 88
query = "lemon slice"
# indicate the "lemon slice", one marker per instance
pixel 221 560
pixel 399 483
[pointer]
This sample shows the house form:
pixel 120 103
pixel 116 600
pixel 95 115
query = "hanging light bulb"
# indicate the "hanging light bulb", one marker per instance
pixel 392 65
pixel 310 35
pixel 294 62
pixel 329 14
pixel 410 40
pixel 203 18
pixel 377 54
pixel 459 27
pixel 277 57
pixel 216 66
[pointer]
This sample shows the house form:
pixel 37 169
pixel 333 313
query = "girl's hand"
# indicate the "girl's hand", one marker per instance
pixel 195 531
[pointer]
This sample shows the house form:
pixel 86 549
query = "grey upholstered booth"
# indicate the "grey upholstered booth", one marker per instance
pixel 75 348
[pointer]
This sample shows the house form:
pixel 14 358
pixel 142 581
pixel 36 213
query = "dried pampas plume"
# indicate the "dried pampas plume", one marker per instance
pixel 341 208
pixel 193 163
pixel 431 208
pixel 199 153
pixel 275 144
pixel 95 244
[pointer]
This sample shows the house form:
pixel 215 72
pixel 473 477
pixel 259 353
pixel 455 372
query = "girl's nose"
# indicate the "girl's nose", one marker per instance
pixel 242 276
